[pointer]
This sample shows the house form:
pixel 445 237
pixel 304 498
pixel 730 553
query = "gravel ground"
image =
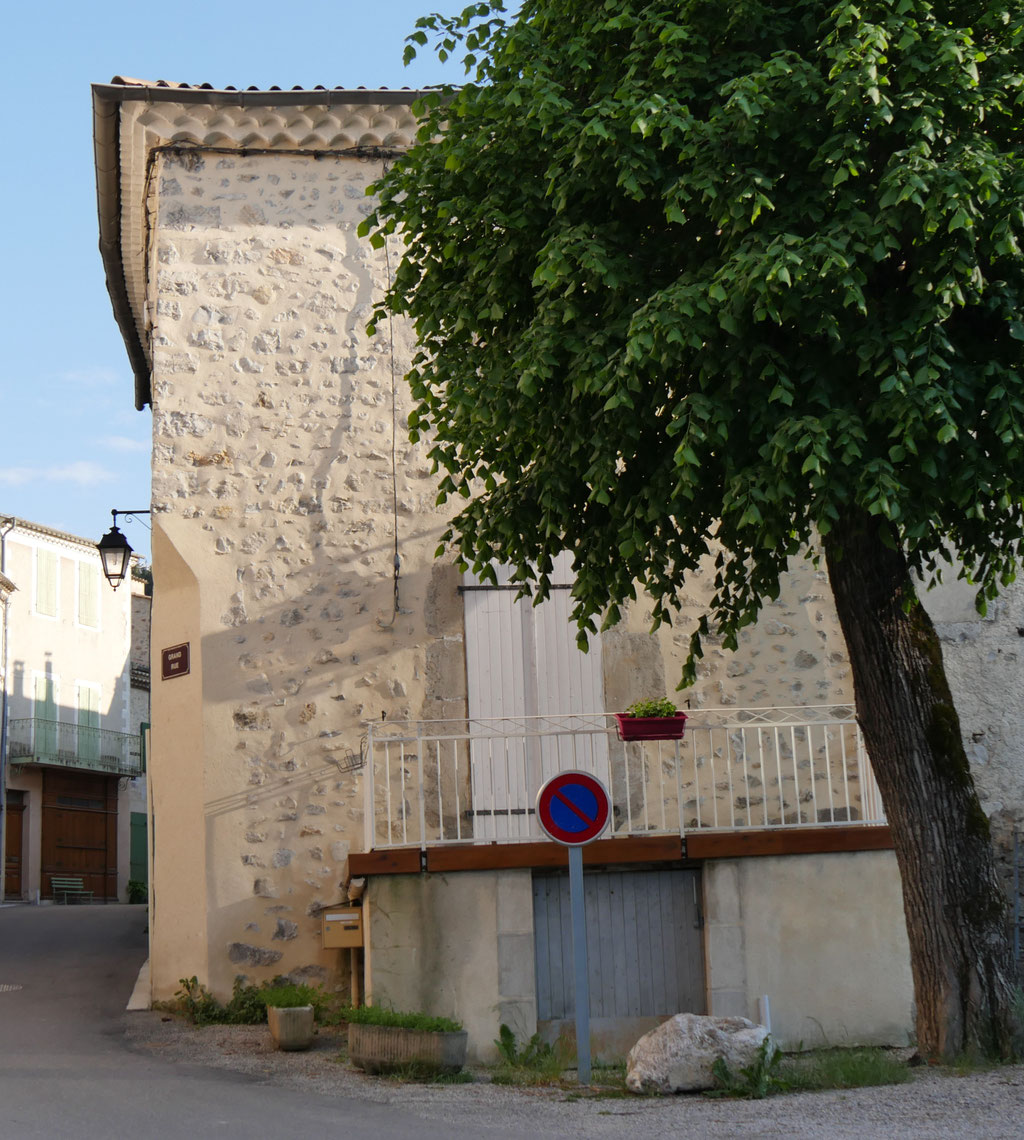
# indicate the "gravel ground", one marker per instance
pixel 935 1104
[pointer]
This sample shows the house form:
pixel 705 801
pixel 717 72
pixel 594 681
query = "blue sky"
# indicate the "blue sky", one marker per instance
pixel 73 445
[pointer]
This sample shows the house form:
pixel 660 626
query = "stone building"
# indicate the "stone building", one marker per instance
pixel 337 713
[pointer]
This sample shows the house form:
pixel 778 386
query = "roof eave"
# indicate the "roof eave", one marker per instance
pixel 106 140
pixel 107 99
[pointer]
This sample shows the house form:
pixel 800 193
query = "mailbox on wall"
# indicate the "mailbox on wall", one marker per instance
pixel 341 927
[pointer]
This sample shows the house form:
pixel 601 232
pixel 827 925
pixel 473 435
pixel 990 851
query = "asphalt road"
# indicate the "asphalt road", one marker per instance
pixel 66 974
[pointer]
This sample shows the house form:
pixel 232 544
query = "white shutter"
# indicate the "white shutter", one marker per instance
pixel 522 662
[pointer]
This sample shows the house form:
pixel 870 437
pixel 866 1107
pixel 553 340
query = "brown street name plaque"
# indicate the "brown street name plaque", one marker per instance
pixel 174 662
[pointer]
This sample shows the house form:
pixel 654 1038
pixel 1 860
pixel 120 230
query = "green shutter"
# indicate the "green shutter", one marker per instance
pixel 138 857
pixel 88 724
pixel 46 583
pixel 88 594
pixel 45 716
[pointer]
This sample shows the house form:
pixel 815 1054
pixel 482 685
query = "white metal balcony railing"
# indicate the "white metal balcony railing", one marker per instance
pixel 54 743
pixel 437 782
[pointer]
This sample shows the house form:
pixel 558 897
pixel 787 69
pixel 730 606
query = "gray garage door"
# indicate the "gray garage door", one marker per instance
pixel 644 943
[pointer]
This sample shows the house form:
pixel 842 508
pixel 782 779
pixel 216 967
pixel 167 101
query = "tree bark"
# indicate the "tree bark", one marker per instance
pixel 957 914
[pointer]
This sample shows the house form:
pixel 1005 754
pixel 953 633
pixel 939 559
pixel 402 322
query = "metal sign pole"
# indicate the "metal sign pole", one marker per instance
pixel 573 808
pixel 579 951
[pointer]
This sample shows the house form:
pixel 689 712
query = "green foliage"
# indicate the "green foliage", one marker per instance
pixel 248 1002
pixel 843 1069
pixel 772 1072
pixel 290 996
pixel 378 1015
pixel 692 282
pixel 195 1002
pixel 652 707
pixel 138 892
pixel 535 1062
pixel 754 1082
pixel 246 1005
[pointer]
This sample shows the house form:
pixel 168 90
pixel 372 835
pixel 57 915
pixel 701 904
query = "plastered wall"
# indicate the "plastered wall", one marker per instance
pixel 822 936
pixel 457 945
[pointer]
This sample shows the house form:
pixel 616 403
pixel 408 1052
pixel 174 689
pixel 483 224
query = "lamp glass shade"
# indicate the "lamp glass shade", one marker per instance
pixel 114 554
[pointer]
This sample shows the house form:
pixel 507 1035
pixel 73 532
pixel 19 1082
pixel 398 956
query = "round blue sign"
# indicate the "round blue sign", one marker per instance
pixel 573 808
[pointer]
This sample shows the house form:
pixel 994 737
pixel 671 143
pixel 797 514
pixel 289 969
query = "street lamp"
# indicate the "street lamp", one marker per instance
pixel 115 551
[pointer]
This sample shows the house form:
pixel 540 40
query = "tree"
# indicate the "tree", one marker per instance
pixel 694 281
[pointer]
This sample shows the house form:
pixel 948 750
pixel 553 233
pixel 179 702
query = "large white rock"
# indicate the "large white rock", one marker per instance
pixel 678 1055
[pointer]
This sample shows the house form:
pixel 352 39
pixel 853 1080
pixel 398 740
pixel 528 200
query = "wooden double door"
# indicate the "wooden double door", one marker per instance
pixel 79 830
pixel 14 847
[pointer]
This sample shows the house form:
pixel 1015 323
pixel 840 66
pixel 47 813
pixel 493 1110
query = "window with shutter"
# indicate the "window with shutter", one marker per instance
pixel 88 595
pixel 521 662
pixel 46 583
pixel 88 723
pixel 45 715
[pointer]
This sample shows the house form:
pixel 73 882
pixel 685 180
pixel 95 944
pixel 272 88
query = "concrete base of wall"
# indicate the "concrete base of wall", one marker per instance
pixel 822 936
pixel 458 945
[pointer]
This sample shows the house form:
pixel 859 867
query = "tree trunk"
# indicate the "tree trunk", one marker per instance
pixel 957 915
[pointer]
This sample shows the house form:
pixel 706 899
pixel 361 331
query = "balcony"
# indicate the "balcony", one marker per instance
pixel 55 744
pixel 433 783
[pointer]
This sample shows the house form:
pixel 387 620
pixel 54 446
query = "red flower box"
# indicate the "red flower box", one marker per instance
pixel 650 727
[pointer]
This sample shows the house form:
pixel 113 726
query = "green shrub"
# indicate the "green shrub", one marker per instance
pixel 138 892
pixel 246 1006
pixel 195 1002
pixel 378 1015
pixel 660 707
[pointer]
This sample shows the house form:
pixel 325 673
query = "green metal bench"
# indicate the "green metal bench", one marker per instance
pixel 67 889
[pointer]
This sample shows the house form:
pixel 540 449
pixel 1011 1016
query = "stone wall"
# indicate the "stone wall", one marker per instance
pixel 275 443
pixel 984 659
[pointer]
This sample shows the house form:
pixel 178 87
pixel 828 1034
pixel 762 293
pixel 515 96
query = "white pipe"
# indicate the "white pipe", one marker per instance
pixel 764 1012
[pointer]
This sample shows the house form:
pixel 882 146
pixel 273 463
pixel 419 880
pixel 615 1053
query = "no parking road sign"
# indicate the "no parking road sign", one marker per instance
pixel 573 808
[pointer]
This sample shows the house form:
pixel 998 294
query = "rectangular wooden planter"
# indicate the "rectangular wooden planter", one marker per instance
pixel 650 727
pixel 387 1048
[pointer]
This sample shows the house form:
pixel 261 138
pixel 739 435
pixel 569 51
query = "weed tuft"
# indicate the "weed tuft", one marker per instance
pixel 537 1062
pixel 844 1069
pixel 754 1082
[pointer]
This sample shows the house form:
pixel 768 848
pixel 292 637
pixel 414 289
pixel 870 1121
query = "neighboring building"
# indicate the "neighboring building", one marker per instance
pixel 72 752
pixel 325 729
pixel 142 604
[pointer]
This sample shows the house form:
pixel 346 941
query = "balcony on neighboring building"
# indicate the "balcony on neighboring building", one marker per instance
pixel 56 744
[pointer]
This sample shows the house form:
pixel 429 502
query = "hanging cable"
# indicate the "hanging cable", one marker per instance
pixel 397 561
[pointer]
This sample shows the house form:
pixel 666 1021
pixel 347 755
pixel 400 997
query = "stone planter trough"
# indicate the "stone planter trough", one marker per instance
pixel 291 1029
pixel 387 1048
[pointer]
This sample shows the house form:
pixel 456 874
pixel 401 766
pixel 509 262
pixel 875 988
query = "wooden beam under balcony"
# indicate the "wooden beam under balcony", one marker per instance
pixel 787 841
pixel 391 861
pixel 634 849
pixel 508 856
